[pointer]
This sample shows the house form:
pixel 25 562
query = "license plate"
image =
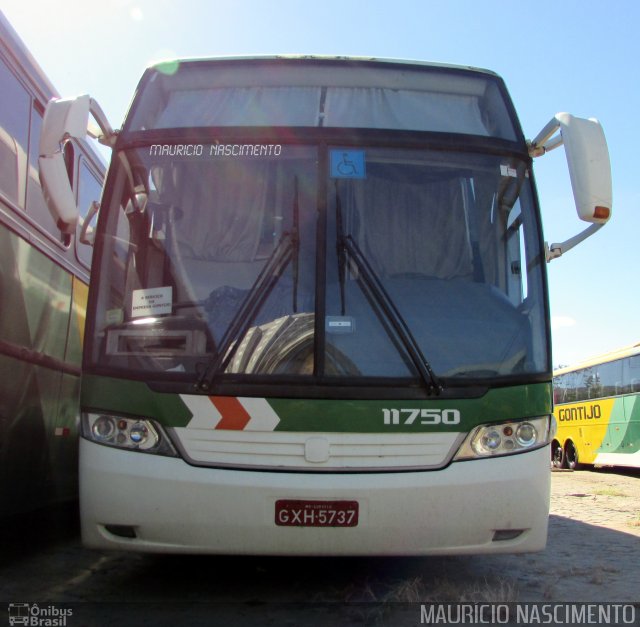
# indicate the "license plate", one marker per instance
pixel 295 513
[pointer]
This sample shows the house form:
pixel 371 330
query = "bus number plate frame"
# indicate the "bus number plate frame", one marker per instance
pixel 302 513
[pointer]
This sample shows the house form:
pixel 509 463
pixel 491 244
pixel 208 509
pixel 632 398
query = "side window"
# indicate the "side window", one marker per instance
pixel 632 374
pixel 558 389
pixel 611 378
pixel 587 384
pixel 89 189
pixel 14 136
pixel 69 162
pixel 564 388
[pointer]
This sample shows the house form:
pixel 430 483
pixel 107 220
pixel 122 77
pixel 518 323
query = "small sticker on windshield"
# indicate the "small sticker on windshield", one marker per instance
pixel 347 164
pixel 114 316
pixel 340 324
pixel 154 301
pixel 506 170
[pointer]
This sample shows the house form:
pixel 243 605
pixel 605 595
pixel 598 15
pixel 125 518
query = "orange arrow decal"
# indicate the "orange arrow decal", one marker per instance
pixel 234 416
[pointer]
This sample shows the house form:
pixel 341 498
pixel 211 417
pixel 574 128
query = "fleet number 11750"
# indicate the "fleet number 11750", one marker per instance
pixel 422 416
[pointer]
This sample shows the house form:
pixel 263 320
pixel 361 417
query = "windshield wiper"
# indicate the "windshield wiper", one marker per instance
pixel 277 263
pixel 346 245
pixel 295 242
pixel 341 250
pixel 287 250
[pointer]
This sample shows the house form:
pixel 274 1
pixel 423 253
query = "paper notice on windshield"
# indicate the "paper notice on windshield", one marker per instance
pixel 154 301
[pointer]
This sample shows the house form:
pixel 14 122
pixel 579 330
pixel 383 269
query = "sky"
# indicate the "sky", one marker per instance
pixel 560 55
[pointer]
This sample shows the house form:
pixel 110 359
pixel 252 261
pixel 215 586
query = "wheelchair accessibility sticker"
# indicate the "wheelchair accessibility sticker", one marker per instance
pixel 347 164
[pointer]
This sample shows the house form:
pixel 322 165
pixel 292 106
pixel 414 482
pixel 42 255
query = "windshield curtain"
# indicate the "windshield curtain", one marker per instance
pixel 290 93
pixel 210 264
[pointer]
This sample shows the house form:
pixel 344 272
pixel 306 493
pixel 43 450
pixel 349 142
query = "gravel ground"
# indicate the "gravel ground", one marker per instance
pixel 593 555
pixel 593 550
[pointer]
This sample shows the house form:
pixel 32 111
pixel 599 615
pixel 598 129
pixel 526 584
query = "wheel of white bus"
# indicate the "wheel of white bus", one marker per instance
pixel 571 455
pixel 557 456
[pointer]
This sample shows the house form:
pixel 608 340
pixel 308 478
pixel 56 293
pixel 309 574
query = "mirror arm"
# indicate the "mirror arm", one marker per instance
pixel 85 236
pixel 108 135
pixel 544 141
pixel 555 250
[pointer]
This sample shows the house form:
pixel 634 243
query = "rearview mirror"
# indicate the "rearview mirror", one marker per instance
pixel 64 120
pixel 589 169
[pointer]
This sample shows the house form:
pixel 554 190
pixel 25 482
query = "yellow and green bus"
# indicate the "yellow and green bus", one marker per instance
pixel 44 275
pixel 597 409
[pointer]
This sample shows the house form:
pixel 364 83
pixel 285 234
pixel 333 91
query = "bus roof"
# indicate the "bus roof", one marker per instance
pixel 620 353
pixel 337 59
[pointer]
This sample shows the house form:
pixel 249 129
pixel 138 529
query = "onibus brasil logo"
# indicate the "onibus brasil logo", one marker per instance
pixel 38 616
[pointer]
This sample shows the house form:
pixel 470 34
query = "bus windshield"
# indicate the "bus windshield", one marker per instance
pixel 269 258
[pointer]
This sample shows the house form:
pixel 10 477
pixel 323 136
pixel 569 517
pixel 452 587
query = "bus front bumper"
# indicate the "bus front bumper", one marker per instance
pixel 135 501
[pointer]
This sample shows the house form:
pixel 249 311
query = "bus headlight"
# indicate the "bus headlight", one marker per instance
pixel 134 434
pixel 505 438
pixel 526 435
pixel 103 428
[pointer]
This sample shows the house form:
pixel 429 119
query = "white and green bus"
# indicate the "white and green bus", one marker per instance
pixel 318 321
pixel 595 408
pixel 44 274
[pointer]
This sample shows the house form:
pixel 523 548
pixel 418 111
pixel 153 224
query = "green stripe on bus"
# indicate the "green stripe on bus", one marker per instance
pixel 623 431
pixel 106 394
pixel 367 416
pixel 333 415
pixel 632 409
